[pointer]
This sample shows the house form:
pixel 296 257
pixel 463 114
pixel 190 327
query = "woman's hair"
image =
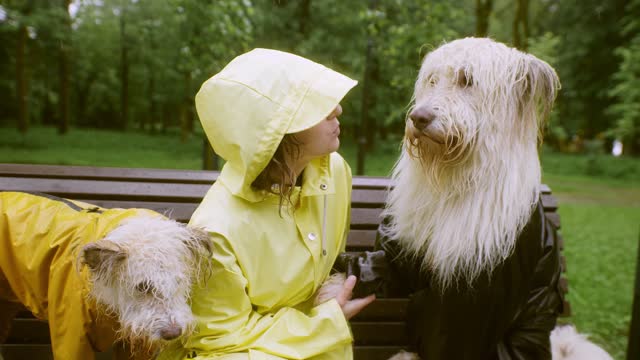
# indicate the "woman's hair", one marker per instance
pixel 278 176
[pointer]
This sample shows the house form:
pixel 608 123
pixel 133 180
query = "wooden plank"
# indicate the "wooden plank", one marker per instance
pixel 146 175
pixel 154 175
pixel 361 218
pixel 554 218
pixel 109 173
pixel 563 284
pixel 384 309
pixel 24 352
pixel 379 333
pixel 39 352
pixel 375 352
pixel 361 240
pixel 98 189
pixel 549 202
pixel 368 198
pixel 560 241
pixel 29 331
pixel 566 309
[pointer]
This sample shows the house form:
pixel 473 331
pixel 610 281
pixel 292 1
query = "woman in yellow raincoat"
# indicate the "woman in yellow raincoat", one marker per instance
pixel 278 213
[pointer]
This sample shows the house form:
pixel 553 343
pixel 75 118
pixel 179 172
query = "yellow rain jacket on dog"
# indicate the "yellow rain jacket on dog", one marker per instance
pixel 267 266
pixel 41 237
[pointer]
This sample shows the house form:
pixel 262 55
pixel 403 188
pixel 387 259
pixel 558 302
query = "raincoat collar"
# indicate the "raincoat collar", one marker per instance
pixel 248 107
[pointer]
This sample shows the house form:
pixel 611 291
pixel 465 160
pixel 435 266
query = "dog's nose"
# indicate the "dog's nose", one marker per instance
pixel 421 117
pixel 171 332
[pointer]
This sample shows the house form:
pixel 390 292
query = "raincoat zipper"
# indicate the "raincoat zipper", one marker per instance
pixel 324 226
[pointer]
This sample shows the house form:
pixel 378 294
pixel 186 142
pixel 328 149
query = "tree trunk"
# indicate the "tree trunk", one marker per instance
pixel 64 70
pixel 483 12
pixel 153 104
pixel 364 137
pixel 521 22
pixel 209 157
pixel 124 71
pixel 186 114
pixel 21 80
pixel 304 18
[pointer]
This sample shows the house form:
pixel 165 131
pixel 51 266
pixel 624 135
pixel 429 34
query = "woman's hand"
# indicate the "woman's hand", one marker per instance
pixel 352 307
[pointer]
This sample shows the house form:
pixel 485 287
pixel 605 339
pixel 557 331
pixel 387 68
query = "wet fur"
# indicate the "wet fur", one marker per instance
pixel 154 250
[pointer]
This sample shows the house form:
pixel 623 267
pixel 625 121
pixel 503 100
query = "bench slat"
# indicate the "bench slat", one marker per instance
pixel 146 175
pixel 375 352
pixel 29 331
pixel 380 333
pixel 43 352
pixel 121 190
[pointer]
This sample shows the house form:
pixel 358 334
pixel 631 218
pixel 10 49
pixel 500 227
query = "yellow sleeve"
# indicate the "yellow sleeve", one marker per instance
pixel 227 322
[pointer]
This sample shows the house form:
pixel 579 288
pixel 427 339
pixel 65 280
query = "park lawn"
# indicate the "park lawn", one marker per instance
pixel 42 145
pixel 599 204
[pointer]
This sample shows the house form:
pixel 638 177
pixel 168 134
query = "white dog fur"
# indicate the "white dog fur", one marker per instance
pixel 446 179
pixel 143 271
pixel 568 344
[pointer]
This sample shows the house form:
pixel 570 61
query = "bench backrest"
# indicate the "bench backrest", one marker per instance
pixel 379 330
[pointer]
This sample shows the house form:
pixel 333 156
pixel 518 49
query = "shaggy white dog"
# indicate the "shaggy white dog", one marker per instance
pixel 470 153
pixel 98 275
pixel 464 230
pixel 567 344
pixel 143 271
pixel 466 186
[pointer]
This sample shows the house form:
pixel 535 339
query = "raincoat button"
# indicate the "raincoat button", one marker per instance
pixel 323 186
pixel 311 236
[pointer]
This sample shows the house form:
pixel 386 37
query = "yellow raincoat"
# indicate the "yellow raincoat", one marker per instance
pixel 267 266
pixel 41 237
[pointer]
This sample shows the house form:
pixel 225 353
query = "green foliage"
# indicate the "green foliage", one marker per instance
pixel 595 164
pixel 626 91
pixel 172 46
pixel 589 33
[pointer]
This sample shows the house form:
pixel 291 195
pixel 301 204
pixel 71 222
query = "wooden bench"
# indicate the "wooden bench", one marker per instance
pixel 379 331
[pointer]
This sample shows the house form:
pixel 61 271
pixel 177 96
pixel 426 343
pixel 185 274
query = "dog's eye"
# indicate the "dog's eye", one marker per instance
pixel 463 79
pixel 145 287
pixel 431 80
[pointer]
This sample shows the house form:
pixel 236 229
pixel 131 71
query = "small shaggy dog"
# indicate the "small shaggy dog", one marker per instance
pixel 567 344
pixel 140 267
pixel 464 228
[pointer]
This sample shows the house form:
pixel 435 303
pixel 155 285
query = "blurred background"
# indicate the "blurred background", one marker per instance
pixel 112 83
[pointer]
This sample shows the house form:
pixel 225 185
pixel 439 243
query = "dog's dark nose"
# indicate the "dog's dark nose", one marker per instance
pixel 170 332
pixel 421 117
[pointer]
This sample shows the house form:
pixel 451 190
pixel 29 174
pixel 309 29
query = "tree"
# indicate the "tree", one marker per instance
pixel 588 33
pixel 124 65
pixel 483 13
pixel 521 25
pixel 64 68
pixel 21 76
pixel 626 91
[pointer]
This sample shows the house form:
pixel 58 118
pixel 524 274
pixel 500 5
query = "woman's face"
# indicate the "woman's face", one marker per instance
pixel 323 138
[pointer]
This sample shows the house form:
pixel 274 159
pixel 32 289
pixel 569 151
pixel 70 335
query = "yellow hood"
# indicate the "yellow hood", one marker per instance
pixel 260 96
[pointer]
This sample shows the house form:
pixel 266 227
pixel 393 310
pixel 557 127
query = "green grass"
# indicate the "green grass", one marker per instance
pixel 601 250
pixel 599 199
pixel 100 148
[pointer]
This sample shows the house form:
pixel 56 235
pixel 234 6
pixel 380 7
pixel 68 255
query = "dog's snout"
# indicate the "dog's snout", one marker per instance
pixel 421 117
pixel 171 332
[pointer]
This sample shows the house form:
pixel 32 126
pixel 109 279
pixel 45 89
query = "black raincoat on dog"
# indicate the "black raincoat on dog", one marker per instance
pixel 507 314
